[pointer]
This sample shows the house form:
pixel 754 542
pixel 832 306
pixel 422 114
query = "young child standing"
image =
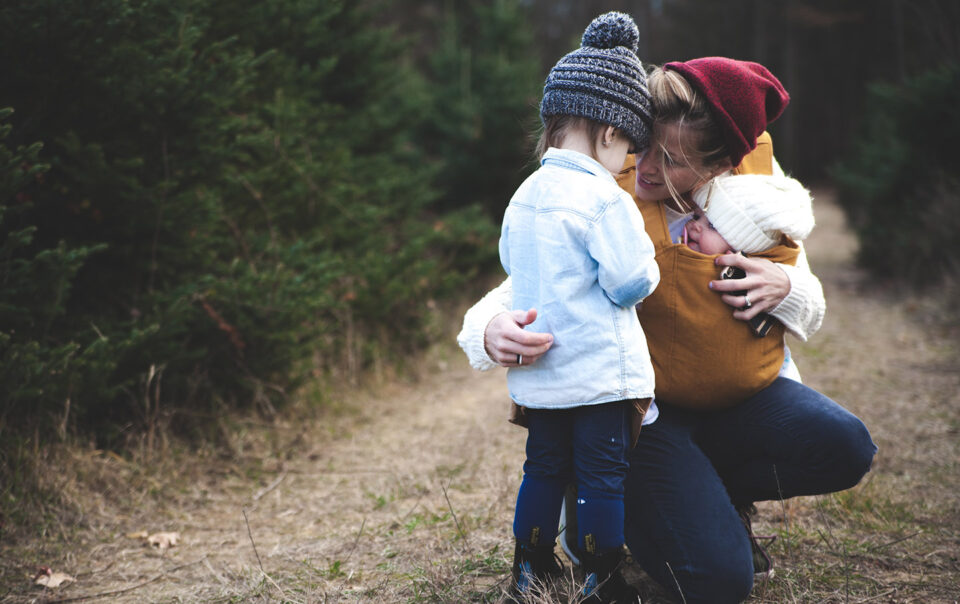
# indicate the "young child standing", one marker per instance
pixel 575 247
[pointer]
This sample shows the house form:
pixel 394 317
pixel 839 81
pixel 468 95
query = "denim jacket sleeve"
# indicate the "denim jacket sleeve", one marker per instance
pixel 627 268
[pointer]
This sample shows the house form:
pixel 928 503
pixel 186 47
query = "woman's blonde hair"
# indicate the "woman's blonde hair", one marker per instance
pixel 676 102
pixel 556 128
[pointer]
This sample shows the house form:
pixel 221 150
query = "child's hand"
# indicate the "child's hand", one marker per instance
pixel 508 343
pixel 766 285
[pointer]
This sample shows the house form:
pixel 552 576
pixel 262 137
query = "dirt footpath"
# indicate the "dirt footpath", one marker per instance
pixel 404 492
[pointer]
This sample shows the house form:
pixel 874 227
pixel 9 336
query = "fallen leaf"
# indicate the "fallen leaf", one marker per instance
pixel 164 540
pixel 47 578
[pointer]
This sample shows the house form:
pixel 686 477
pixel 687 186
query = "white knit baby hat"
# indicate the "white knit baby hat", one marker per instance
pixel 752 211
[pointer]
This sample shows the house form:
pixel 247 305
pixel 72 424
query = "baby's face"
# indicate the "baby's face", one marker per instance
pixel 702 237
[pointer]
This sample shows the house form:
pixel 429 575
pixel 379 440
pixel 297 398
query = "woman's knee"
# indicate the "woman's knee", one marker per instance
pixel 862 452
pixel 853 451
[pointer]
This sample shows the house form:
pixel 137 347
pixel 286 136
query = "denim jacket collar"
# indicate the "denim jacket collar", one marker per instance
pixel 574 160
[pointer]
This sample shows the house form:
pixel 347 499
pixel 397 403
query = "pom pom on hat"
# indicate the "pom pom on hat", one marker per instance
pixel 744 96
pixel 753 211
pixel 603 80
pixel 611 30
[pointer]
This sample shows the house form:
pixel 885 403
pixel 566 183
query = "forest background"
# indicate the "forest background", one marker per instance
pixel 211 206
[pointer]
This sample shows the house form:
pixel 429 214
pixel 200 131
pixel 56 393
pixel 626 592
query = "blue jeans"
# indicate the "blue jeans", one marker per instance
pixel 691 468
pixel 587 445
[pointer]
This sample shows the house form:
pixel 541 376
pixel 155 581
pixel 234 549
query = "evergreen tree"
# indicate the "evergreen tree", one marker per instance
pixel 39 369
pixel 483 114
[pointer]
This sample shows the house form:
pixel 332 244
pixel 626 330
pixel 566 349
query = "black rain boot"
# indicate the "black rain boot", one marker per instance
pixel 604 581
pixel 534 568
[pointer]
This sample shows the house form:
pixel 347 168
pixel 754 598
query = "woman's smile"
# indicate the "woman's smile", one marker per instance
pixel 647 184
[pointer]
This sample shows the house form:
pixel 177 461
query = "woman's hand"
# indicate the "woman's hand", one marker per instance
pixel 766 285
pixel 505 339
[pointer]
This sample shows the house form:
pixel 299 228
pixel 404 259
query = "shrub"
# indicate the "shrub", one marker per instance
pixel 487 82
pixel 39 368
pixel 899 185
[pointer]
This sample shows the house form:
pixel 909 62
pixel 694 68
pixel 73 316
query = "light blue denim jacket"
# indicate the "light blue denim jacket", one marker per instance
pixel 574 245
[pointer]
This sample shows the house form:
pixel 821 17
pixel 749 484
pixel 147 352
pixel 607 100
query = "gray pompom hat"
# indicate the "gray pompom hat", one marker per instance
pixel 603 80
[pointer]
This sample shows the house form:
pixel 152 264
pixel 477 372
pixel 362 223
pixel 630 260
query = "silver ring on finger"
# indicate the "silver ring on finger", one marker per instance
pixel 746 301
pixel 519 359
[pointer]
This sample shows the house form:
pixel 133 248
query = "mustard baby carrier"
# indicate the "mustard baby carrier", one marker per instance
pixel 702 356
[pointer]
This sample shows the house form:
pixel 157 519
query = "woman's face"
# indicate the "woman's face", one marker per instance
pixel 666 159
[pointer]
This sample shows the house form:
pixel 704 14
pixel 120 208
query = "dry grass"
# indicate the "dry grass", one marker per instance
pixel 402 490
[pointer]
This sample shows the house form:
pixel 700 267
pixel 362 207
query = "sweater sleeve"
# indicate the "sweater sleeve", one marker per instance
pixel 801 312
pixel 475 321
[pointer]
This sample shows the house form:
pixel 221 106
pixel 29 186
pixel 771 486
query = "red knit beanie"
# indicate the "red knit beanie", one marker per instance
pixel 745 97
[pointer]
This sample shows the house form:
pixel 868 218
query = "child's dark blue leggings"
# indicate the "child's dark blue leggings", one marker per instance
pixel 587 445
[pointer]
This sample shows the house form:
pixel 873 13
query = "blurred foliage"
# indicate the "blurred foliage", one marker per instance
pixel 230 198
pixel 899 185
pixel 36 282
pixel 485 104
